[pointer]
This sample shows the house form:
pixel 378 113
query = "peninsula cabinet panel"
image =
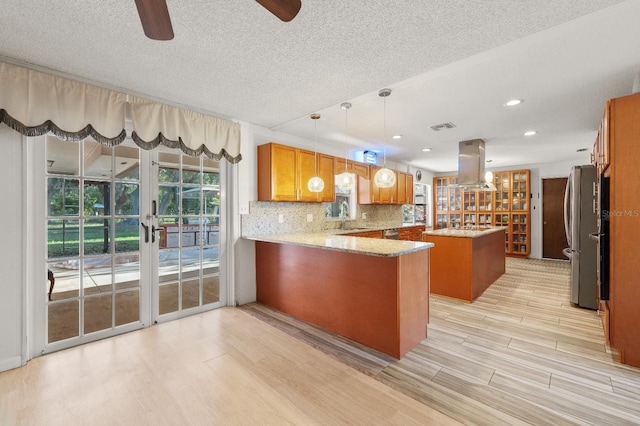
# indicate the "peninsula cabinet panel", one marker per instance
pixel 379 301
pixel 623 215
pixel 283 173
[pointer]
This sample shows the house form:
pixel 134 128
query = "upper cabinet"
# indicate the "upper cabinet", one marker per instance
pixel 400 193
pixel 283 173
pixel 600 153
pixel 354 167
pixel 369 193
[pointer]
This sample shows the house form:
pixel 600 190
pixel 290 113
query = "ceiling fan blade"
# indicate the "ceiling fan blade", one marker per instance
pixel 285 10
pixel 154 16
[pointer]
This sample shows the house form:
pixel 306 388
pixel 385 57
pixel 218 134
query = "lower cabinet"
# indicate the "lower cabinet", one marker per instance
pixel 411 233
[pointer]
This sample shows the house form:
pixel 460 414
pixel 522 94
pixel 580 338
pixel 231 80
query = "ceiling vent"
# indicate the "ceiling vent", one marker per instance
pixel 443 126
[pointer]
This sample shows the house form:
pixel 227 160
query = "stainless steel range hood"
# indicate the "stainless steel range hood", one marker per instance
pixel 471 161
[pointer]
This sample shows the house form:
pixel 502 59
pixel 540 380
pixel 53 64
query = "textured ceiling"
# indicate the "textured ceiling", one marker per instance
pixel 445 61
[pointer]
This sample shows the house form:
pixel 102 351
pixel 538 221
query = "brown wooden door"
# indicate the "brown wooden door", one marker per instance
pixel 554 238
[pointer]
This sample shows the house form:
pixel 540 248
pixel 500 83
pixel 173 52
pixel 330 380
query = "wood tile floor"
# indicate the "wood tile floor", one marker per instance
pixel 520 354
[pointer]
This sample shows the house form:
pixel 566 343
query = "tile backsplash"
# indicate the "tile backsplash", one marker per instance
pixel 265 217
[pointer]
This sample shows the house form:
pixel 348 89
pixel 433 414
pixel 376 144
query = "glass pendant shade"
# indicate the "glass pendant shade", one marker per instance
pixel 385 178
pixel 315 184
pixel 346 181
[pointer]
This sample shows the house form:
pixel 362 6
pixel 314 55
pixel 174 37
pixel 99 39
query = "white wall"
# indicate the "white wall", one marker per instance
pixel 12 285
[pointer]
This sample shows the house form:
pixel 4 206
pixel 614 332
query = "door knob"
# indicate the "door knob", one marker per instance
pixel 544 223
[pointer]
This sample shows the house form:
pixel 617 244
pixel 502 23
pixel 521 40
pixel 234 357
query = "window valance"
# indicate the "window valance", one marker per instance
pixel 34 103
pixel 156 124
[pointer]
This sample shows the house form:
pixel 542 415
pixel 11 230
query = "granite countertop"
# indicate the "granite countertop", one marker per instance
pixel 464 233
pixel 333 241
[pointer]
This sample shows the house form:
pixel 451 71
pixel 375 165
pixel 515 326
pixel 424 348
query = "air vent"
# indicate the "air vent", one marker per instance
pixel 442 126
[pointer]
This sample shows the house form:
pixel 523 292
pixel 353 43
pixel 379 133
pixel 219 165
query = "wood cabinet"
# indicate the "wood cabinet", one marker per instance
pixel 367 234
pixel 600 153
pixel 617 157
pixel 404 183
pixel 508 206
pixel 512 210
pixel 283 173
pixel 369 193
pixel 411 233
pixel 447 202
pixel 354 167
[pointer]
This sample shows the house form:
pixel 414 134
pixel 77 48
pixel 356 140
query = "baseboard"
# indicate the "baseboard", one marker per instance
pixel 10 363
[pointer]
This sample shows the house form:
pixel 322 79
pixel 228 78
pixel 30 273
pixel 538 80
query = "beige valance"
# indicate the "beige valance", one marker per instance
pixel 34 103
pixel 192 132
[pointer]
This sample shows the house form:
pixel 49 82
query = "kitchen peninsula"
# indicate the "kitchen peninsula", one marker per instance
pixel 373 291
pixel 464 263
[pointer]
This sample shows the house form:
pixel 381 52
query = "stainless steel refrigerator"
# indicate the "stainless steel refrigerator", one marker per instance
pixel 580 220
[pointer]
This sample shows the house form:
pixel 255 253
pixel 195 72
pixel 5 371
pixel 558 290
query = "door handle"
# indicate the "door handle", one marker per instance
pixel 153 232
pixel 146 232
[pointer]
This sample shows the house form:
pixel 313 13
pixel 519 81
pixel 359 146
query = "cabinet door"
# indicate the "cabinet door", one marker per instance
pixel 409 191
pixel 277 173
pixel 401 185
pixel 502 182
pixel 519 190
pixel 361 169
pixel 327 173
pixel 306 170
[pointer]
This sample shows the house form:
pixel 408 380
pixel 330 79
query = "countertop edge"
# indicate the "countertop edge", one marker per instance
pixel 463 233
pixel 345 243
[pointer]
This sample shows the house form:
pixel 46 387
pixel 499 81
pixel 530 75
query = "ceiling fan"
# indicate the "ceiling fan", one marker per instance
pixel 156 23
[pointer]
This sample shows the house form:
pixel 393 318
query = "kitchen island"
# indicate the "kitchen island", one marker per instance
pixel 464 263
pixel 372 291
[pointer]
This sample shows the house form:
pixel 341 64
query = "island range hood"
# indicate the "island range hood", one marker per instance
pixel 471 162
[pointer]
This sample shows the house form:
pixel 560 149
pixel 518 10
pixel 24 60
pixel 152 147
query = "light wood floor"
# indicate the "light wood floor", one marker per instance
pixel 520 354
pixel 223 367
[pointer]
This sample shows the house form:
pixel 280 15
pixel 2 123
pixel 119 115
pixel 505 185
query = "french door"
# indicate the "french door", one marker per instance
pixel 132 238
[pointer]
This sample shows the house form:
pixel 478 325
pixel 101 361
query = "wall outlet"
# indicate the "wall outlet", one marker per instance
pixel 280 218
pixel 364 216
pixel 244 210
pixel 309 217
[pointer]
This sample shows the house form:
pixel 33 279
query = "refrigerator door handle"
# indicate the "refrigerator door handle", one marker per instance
pixel 567 206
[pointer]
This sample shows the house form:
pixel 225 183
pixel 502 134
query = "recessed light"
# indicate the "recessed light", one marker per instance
pixel 513 102
pixel 397 136
pixel 426 149
pixel 530 133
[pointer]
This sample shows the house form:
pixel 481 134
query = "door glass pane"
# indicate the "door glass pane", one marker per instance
pixel 97 313
pixel 63 238
pixel 63 320
pixel 87 275
pixel 127 199
pixel 126 307
pixel 97 236
pixel 189 215
pixel 63 197
pixel 127 163
pixel 97 160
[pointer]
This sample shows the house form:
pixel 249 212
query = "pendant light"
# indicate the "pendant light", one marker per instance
pixel 384 178
pixel 345 179
pixel 315 184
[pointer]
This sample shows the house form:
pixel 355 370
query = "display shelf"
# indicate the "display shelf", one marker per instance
pixel 508 206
